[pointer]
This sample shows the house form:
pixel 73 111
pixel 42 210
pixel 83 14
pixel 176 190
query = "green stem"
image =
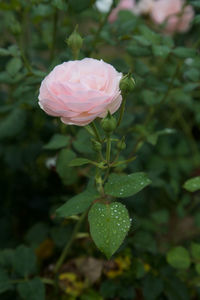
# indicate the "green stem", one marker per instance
pixel 24 58
pixel 108 150
pixel 95 130
pixel 54 34
pixel 69 244
pixel 102 24
pixel 121 114
pixel 44 280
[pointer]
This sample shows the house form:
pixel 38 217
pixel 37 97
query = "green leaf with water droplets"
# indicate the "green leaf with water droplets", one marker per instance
pixel 109 224
pixel 193 184
pixel 77 204
pixel 120 185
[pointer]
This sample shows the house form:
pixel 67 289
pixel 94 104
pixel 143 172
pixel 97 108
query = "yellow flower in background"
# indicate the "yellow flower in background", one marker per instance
pixel 122 264
pixel 71 284
pixel 147 267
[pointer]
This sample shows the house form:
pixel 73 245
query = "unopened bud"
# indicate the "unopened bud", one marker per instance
pixel 121 145
pixel 75 42
pixel 109 123
pixel 96 145
pixel 127 84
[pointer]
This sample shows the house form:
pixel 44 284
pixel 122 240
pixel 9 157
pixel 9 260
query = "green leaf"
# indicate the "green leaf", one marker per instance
pixel 78 6
pixel 57 141
pixel 153 37
pixel 141 40
pixel 4 52
pixel 109 224
pixel 193 184
pixel 24 261
pixel 183 52
pixel 138 51
pixel 152 287
pixel 77 204
pixel 151 98
pixel 153 138
pixel 12 124
pixel 144 242
pixel 82 142
pixel 121 186
pixel 5 284
pixel 195 3
pixel 196 19
pixel 162 51
pixel 160 216
pixel 179 258
pixel 67 174
pixel 32 290
pixel 13 66
pixel 79 162
pixel 197 268
pixel 6 258
pixel 192 74
pixel 195 251
pixel 37 234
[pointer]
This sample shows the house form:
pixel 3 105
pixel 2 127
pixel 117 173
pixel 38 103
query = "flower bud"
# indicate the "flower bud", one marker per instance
pixel 126 84
pixel 109 123
pixel 121 145
pixel 96 145
pixel 75 42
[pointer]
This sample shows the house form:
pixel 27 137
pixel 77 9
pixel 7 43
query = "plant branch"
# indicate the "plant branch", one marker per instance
pixel 69 244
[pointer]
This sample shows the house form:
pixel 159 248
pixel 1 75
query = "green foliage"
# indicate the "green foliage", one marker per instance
pixel 179 258
pixel 77 204
pixel 79 162
pixel 67 175
pixel 57 141
pixel 33 289
pixel 122 186
pixel 109 224
pixel 5 284
pixel 160 258
pixel 193 184
pixel 13 124
pixel 24 261
pixel 195 251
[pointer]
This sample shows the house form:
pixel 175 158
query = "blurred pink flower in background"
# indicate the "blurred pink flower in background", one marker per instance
pixel 174 13
pixel 144 7
pixel 123 5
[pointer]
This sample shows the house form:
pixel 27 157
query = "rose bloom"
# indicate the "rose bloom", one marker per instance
pixel 80 91
pixel 173 12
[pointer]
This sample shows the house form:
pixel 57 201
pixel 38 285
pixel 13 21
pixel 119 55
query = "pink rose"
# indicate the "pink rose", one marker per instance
pixel 80 91
pixel 174 13
pixel 144 7
pixel 123 5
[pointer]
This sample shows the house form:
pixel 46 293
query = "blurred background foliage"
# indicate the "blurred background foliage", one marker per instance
pixel 160 259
